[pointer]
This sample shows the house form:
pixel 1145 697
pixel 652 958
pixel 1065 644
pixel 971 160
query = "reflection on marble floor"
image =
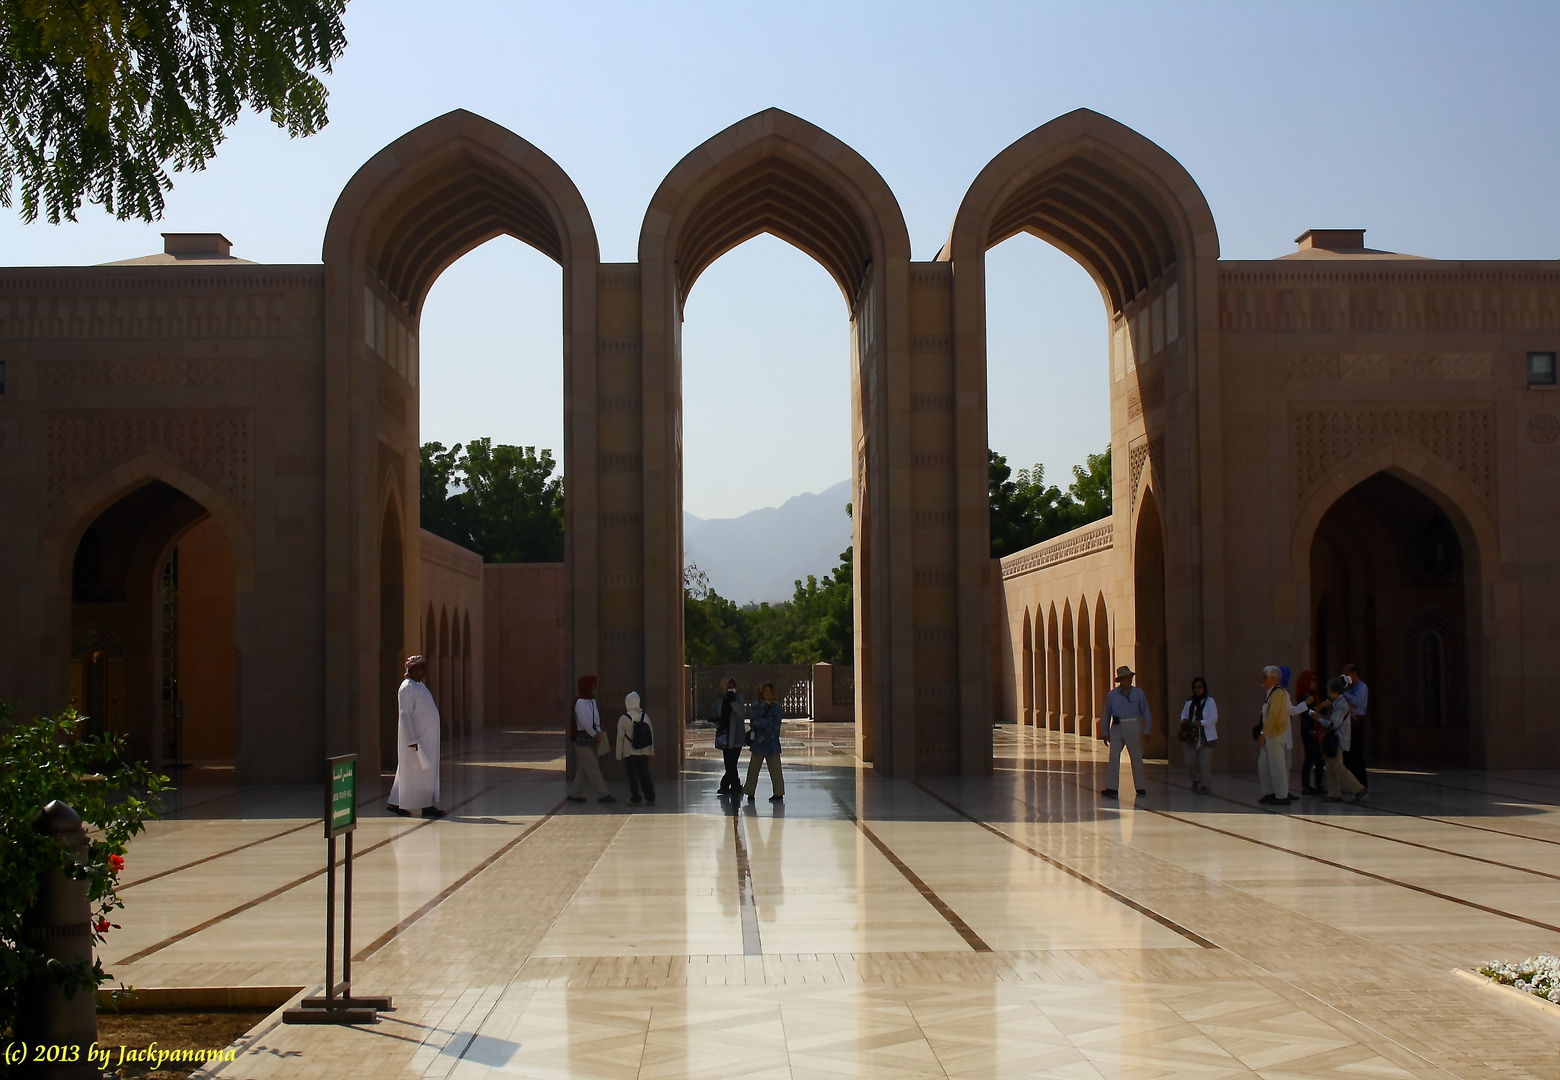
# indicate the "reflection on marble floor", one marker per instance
pixel 1007 926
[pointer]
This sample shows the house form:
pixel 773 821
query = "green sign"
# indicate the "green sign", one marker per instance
pixel 341 795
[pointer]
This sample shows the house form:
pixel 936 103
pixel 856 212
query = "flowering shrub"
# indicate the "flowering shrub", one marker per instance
pixel 1539 975
pixel 44 759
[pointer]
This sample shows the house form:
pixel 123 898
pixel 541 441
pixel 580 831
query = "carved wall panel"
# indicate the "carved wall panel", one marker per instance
pixel 139 373
pixel 1383 367
pixel 214 443
pixel 1346 298
pixel 177 315
pixel 1543 428
pixel 1140 457
pixel 1321 439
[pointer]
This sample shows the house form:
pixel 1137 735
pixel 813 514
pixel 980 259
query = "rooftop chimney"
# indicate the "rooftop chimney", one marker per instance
pixel 197 245
pixel 1332 239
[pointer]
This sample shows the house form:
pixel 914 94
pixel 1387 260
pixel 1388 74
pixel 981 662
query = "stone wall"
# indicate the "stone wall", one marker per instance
pixel 453 634
pixel 526 684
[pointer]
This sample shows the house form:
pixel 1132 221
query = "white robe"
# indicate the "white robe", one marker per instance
pixel 416 785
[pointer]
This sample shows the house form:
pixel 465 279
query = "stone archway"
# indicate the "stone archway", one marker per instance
pixel 413 209
pixel 1133 217
pixel 1394 589
pixel 775 173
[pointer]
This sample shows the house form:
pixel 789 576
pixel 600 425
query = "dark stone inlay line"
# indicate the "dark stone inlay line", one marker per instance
pixel 253 843
pixel 971 938
pixel 1476 791
pixel 1308 819
pixel 221 854
pixel 280 889
pixel 450 890
pixel 752 943
pixel 1362 873
pixel 1169 924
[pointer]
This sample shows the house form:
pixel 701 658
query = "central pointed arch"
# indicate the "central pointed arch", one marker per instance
pixel 776 173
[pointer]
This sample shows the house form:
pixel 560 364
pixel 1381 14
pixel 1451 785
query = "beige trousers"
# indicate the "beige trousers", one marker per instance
pixel 1273 769
pixel 776 779
pixel 1340 779
pixel 587 770
pixel 1128 734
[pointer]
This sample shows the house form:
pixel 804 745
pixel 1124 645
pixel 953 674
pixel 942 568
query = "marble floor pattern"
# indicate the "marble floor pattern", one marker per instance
pixel 1014 925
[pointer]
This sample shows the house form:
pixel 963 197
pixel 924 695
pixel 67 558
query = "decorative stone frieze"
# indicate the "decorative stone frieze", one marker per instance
pixel 163 374
pixel 214 443
pixel 1321 439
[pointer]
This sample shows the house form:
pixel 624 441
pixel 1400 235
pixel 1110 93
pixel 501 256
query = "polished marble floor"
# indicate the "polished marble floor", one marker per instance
pixel 1009 926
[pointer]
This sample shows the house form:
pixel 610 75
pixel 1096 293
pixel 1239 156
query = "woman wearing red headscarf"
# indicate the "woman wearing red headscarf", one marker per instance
pixel 584 734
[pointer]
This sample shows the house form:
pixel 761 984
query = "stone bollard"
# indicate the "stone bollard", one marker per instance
pixel 60 927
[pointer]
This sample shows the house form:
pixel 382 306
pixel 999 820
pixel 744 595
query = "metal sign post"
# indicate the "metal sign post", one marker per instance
pixel 338 1006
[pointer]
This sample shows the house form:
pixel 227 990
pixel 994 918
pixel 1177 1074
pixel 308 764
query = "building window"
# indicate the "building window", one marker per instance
pixel 1541 369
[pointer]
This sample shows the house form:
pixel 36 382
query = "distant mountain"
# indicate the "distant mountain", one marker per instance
pixel 760 555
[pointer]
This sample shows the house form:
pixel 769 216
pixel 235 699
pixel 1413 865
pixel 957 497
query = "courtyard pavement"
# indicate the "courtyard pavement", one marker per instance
pixel 1010 926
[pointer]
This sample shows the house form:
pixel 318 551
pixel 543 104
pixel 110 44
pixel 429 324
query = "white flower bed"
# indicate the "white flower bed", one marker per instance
pixel 1537 975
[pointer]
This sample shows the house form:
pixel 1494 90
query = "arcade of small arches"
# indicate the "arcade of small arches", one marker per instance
pixel 1065 666
pixel 1255 518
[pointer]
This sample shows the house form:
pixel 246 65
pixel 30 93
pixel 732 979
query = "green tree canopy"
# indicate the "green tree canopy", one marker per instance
pixel 1026 510
pixel 500 501
pixel 97 98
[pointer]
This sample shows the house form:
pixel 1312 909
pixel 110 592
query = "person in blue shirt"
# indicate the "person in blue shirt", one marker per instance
pixel 1127 720
pixel 765 729
pixel 1358 695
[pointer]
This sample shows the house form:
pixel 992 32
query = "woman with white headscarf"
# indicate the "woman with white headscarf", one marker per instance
pixel 635 748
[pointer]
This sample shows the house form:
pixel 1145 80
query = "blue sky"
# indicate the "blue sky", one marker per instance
pixel 1432 125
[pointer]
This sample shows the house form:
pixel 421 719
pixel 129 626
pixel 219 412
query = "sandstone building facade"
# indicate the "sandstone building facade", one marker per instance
pixel 209 467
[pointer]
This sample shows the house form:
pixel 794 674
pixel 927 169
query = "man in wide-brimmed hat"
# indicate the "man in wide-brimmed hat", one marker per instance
pixel 1127 720
pixel 417 746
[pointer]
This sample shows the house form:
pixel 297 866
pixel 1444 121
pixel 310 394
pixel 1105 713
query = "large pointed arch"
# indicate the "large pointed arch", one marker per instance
pixel 415 207
pixel 1137 222
pixel 776 173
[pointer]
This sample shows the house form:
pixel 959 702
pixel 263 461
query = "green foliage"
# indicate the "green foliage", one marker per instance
pixel 500 501
pixel 1025 510
pixel 40 761
pixel 712 625
pixel 816 626
pixel 96 98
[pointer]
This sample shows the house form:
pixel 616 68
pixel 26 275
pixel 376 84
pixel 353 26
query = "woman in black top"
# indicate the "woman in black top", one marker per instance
pixel 730 733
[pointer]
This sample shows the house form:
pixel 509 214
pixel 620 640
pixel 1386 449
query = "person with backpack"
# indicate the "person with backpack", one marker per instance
pixel 1336 719
pixel 635 748
pixel 766 745
pixel 730 737
pixel 1199 732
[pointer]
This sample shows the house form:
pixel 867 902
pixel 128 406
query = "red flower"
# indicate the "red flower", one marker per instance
pixel 103 925
pixel 116 863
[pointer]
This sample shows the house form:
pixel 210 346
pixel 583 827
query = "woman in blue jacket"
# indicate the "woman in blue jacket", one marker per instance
pixel 765 728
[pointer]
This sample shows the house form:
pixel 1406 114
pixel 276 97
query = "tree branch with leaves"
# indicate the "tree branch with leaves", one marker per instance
pixel 98 98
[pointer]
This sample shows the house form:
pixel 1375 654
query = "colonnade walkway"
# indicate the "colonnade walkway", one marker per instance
pixel 1010 926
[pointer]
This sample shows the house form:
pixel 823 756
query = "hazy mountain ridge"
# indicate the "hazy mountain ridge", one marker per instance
pixel 760 555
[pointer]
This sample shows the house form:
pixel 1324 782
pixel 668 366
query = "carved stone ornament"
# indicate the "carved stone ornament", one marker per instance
pixel 214 443
pixel 1543 428
pixel 1321 439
